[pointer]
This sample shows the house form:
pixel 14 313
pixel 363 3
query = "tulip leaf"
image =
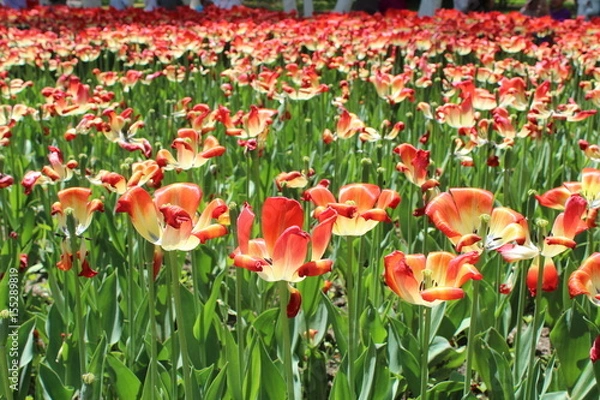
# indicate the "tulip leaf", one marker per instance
pixel 310 288
pixel 316 369
pixel 25 335
pixel 586 386
pixel 446 390
pixel 96 367
pixel 126 384
pixel 52 387
pixel 234 378
pixel 340 328
pixel 494 370
pixel 215 390
pixel 264 324
pixel 272 384
pixel 340 389
pixel 109 307
pixel 373 328
pixel 571 339
pixel 366 364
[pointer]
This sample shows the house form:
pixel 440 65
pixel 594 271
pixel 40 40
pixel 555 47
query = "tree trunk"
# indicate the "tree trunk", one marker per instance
pixel 428 7
pixel 308 8
pixel 342 6
pixel 289 6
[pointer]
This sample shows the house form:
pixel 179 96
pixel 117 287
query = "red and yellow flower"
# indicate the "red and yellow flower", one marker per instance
pixel 430 280
pixel 361 206
pixel 169 219
pixel 282 254
pixel 586 279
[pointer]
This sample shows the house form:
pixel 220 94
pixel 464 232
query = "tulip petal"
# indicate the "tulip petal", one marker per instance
pixel 279 214
pixel 144 215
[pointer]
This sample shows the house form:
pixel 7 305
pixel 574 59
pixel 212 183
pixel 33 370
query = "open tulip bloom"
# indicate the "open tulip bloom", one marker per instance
pixel 169 219
pixel 430 280
pixel 282 253
pixel 360 208
pixel 458 214
pixel 586 279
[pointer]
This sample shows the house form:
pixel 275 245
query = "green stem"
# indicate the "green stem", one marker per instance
pixel 520 311
pixel 351 314
pixel 130 307
pixel 174 269
pixel 425 340
pixel 239 324
pixel 153 332
pixel 286 347
pixel 534 334
pixel 471 338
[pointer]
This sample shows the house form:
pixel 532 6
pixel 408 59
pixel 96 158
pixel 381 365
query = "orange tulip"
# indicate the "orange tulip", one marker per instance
pixel 360 208
pixel 458 214
pixel 189 153
pixel 586 279
pixel 414 165
pixel 430 280
pixel 282 253
pixel 169 220
pixel 75 201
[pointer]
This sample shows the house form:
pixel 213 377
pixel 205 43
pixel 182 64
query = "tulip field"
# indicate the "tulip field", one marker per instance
pixel 247 205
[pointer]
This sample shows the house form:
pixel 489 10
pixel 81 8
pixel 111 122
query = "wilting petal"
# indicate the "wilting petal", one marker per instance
pixel 315 268
pixel 250 263
pixel 210 232
pixel 549 280
pixel 144 214
pixel 294 302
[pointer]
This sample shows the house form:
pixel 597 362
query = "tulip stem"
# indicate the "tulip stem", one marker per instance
pixel 286 347
pixel 130 308
pixel 536 321
pixel 79 321
pixel 153 334
pixel 351 314
pixel 471 338
pixel 174 269
pixel 239 324
pixel 425 340
pixel 520 312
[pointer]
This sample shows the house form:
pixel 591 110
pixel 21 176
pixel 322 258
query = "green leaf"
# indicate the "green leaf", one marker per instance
pixel 494 370
pixel 571 339
pixel 126 384
pixel 108 305
pixel 272 383
pixel 215 389
pixel 586 384
pixel 96 367
pixel 372 327
pixel 340 328
pixel 26 342
pixel 52 386
pixel 367 363
pixel 234 379
pixel 340 389
pixel 265 326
